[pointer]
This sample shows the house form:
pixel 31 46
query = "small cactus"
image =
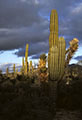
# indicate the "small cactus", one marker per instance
pixel 26 59
pixel 7 71
pixel 23 66
pixel 30 66
pixel 14 69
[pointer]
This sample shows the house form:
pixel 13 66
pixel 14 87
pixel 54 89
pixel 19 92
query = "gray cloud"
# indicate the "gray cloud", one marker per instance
pixel 78 58
pixel 27 21
pixel 34 49
pixel 14 13
pixel 35 56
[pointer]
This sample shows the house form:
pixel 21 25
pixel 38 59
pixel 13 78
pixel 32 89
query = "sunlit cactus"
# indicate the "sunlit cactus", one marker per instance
pixel 42 70
pixel 61 56
pixel 53 67
pixel 23 65
pixel 7 71
pixel 42 63
pixel 30 66
pixel 71 50
pixel 26 59
pixel 58 56
pixel 14 69
pixel 53 38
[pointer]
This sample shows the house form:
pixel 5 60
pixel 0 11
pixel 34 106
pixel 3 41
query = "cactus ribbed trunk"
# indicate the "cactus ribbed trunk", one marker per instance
pixel 56 55
pixel 56 58
pixel 53 70
pixel 61 57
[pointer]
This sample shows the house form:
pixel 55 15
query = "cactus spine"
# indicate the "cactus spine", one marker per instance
pixel 26 59
pixel 56 55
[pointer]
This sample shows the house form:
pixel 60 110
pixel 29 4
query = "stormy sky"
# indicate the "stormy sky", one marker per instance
pixel 27 21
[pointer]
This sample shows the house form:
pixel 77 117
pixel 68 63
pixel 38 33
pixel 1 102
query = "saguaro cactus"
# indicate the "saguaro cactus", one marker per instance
pixel 14 69
pixel 26 59
pixel 30 66
pixel 56 55
pixel 57 58
pixel 7 71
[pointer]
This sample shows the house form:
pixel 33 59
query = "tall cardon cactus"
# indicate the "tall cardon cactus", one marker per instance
pixel 56 58
pixel 56 55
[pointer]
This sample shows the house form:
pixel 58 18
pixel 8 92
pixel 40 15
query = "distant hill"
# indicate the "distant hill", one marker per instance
pixel 76 67
pixel 80 62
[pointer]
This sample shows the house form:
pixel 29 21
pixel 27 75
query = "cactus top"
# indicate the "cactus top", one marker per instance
pixel 53 38
pixel 54 21
pixel 26 53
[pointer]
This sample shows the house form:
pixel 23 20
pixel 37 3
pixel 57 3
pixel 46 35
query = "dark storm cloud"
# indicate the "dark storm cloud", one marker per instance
pixel 71 26
pixel 34 49
pixel 14 13
pixel 17 38
pixel 78 57
pixel 27 21
pixel 20 23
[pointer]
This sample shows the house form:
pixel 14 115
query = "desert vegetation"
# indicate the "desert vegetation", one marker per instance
pixel 37 93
